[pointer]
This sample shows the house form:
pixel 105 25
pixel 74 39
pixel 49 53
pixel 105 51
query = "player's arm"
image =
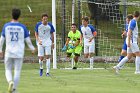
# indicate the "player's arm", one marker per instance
pixel 52 37
pixel 77 42
pixel 2 39
pixel 131 27
pixel 129 37
pixel 29 43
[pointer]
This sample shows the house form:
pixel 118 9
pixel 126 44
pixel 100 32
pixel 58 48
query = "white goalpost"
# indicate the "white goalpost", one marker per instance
pixel 54 24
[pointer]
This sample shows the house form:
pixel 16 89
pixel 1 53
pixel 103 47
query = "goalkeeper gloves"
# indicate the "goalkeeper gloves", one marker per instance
pixel 70 46
pixel 64 48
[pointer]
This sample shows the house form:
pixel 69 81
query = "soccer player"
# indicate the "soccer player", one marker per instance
pixel 88 33
pixel 132 46
pixel 73 44
pixel 14 33
pixel 44 33
pixel 124 48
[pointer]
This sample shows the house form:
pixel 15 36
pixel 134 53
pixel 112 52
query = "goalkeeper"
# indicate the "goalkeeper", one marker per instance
pixel 72 45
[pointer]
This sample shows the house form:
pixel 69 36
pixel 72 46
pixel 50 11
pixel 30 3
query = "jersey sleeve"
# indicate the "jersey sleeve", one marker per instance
pixel 81 29
pixel 52 28
pixel 92 28
pixel 3 31
pixel 69 34
pixel 26 32
pixel 36 27
pixel 132 25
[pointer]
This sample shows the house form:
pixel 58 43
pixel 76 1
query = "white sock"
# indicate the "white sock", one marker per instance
pixel 41 64
pixel 122 62
pixel 137 63
pixel 48 65
pixel 91 62
pixel 8 74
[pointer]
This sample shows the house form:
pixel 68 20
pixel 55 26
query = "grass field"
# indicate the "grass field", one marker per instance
pixel 73 81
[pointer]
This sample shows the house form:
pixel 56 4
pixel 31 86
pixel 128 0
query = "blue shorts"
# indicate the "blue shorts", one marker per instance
pixel 124 47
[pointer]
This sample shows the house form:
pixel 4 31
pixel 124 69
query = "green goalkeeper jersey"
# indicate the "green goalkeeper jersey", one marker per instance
pixel 74 37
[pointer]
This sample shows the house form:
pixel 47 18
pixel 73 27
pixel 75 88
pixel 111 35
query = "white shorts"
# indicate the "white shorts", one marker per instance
pixel 16 62
pixel 44 49
pixel 133 48
pixel 89 49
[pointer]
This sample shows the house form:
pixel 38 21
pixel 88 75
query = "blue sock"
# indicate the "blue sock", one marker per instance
pixel 120 58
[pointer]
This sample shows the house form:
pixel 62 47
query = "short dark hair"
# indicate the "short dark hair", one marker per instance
pixel 73 24
pixel 44 14
pixel 16 13
pixel 130 16
pixel 136 13
pixel 85 18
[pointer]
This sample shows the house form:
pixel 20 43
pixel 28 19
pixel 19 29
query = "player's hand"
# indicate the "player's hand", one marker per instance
pixel 33 52
pixel 40 42
pixel 128 45
pixel 64 48
pixel 52 45
pixel 91 39
pixel 122 35
pixel 1 55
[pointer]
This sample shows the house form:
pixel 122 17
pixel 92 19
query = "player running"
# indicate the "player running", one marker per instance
pixel 14 33
pixel 88 34
pixel 124 47
pixel 44 33
pixel 132 44
pixel 73 44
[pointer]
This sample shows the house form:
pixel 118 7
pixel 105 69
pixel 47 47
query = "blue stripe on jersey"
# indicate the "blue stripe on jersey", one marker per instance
pixel 92 28
pixel 26 32
pixel 37 25
pixel 132 24
pixel 126 27
pixel 52 28
pixel 80 29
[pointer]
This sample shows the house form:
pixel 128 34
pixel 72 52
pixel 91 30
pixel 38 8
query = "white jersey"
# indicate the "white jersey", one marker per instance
pixel 44 33
pixel 15 34
pixel 87 33
pixel 134 27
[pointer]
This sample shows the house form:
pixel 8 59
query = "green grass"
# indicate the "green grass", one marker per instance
pixel 73 81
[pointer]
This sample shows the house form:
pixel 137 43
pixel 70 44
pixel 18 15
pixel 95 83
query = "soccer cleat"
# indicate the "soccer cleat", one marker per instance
pixel 14 91
pixel 10 88
pixel 116 69
pixel 47 74
pixel 74 68
pixel 41 72
pixel 137 72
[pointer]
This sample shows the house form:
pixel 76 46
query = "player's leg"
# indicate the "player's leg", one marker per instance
pixel 48 55
pixel 77 52
pixel 8 73
pixel 124 60
pixel 41 57
pixel 91 54
pixel 137 60
pixel 17 70
pixel 123 52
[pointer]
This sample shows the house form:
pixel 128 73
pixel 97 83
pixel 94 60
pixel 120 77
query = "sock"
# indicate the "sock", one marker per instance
pixel 8 74
pixel 16 78
pixel 91 62
pixel 41 64
pixel 76 63
pixel 137 63
pixel 122 62
pixel 48 65
pixel 120 58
